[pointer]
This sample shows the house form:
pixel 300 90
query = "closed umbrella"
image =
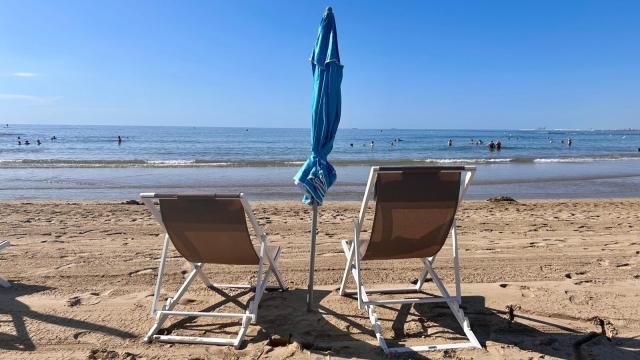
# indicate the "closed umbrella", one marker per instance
pixel 317 175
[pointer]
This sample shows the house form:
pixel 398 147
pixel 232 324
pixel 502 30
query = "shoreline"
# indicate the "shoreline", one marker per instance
pixel 603 179
pixel 237 163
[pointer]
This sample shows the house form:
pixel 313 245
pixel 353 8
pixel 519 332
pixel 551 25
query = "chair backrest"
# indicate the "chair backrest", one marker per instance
pixel 209 228
pixel 415 208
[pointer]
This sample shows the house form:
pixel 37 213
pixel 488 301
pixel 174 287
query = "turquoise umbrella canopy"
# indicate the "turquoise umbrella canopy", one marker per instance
pixel 317 174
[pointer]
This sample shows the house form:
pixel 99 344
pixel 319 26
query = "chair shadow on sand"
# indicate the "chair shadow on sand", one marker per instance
pixel 282 315
pixel 532 333
pixel 325 331
pixel 17 311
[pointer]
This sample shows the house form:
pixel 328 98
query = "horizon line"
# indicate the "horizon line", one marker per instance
pixel 3 126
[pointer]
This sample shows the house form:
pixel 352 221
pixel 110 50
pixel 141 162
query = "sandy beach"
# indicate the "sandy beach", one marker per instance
pixel 82 275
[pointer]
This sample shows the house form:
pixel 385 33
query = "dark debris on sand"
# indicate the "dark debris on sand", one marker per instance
pixel 501 199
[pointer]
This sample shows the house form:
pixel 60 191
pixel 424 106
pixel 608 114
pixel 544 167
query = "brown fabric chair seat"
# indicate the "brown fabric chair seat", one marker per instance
pixel 415 208
pixel 209 229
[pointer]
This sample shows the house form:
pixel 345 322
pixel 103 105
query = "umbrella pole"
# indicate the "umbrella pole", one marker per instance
pixel 312 255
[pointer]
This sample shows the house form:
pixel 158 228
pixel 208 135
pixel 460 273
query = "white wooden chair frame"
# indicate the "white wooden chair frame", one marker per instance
pixel 248 317
pixel 3 281
pixel 352 253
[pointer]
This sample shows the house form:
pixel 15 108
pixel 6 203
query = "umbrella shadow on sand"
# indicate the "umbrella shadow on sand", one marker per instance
pixel 11 307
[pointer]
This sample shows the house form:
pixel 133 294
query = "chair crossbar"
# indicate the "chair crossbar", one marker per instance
pixel 194 340
pixel 407 301
pixel 204 314
pixel 431 347
pixel 406 290
pixel 242 286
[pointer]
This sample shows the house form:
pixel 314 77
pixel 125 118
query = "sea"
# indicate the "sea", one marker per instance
pixel 88 162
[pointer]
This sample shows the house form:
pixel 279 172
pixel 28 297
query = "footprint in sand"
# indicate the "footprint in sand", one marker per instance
pixel 602 262
pixel 87 337
pixel 142 271
pixel 526 291
pixel 90 298
pixel 578 273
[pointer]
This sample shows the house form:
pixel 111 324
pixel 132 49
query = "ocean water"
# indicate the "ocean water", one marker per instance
pixel 86 162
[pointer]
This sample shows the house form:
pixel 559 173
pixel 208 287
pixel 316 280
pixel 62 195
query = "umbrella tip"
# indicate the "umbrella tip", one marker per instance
pixel 328 10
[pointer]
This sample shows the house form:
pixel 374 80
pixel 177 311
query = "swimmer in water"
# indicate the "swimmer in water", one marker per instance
pixel 119 140
pixel 450 143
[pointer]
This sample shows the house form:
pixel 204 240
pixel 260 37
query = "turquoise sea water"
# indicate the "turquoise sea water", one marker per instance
pixel 86 162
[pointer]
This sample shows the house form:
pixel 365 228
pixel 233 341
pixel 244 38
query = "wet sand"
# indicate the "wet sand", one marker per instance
pixel 82 276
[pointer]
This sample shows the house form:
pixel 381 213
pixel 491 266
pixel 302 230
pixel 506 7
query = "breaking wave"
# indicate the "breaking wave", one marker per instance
pixel 62 163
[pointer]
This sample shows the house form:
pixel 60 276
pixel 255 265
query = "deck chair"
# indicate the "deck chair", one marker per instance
pixel 414 212
pixel 3 281
pixel 210 229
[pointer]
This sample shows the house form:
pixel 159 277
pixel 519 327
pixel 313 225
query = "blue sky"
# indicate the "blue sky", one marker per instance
pixel 409 64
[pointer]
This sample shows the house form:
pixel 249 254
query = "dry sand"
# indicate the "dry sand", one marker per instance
pixel 83 273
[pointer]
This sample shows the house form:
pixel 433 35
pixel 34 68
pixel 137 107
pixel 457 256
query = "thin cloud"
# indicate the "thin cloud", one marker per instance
pixel 24 74
pixel 29 98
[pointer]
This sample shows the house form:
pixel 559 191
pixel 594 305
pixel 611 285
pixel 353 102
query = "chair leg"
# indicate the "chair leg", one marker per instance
pixel 243 330
pixel 377 328
pixel 273 267
pixel 170 304
pixel 157 325
pixel 348 252
pixel 3 281
pixel 262 285
pixel 423 275
pixel 453 303
pixel 247 318
pixel 456 307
